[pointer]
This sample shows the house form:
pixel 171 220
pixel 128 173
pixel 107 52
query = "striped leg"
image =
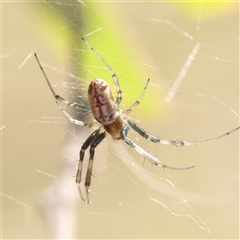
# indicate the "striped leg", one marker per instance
pixel 58 99
pixel 139 99
pixel 85 145
pixel 145 154
pixel 94 144
pixel 114 76
pixel 177 143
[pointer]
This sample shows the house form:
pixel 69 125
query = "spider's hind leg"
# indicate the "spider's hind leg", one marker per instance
pixel 58 99
pixel 112 72
pixel 136 103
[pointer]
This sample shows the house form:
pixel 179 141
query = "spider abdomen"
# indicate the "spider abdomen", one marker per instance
pixel 101 101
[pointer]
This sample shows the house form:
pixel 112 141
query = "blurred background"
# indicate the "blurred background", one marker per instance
pixel 190 51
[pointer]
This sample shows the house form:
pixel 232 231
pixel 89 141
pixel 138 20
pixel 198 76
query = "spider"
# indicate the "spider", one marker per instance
pixel 113 121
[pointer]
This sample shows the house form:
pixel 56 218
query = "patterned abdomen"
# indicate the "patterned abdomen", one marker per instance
pixel 101 101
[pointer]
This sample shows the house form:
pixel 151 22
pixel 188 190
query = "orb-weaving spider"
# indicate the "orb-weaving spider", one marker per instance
pixel 113 121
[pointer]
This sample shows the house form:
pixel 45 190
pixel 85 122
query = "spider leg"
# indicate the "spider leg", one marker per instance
pixel 114 76
pixel 98 139
pixel 139 99
pixel 145 154
pixel 177 143
pixel 58 99
pixel 73 120
pixel 90 140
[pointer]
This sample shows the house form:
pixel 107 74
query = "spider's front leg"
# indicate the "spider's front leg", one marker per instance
pixel 149 157
pixel 177 143
pixel 85 145
pixel 94 144
pixel 94 139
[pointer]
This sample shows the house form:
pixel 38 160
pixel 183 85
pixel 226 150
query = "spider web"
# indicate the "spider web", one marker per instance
pixel 191 57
